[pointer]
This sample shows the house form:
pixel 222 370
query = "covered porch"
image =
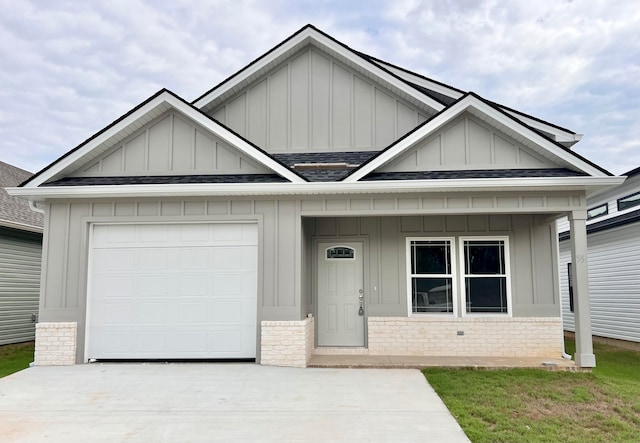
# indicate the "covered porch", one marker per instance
pixel 391 325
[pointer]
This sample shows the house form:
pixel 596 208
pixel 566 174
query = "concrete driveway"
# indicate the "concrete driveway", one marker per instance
pixel 203 402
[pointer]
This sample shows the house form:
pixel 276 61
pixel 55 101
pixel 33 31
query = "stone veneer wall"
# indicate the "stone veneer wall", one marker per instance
pixel 286 343
pixel 485 336
pixel 55 344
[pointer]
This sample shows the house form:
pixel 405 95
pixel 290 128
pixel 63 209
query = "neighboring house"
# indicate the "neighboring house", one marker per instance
pixel 613 237
pixel 319 200
pixel 20 257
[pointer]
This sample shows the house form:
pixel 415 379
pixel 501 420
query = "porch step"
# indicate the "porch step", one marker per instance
pixel 418 362
pixel 340 351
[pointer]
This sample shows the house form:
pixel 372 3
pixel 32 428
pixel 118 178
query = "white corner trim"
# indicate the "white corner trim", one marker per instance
pixel 166 97
pixel 318 188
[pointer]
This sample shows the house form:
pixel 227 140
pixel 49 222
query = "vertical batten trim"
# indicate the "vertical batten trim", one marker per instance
pixel 310 101
pixel 276 255
pixel 330 110
pixel 171 124
pixel 467 149
pixel 194 136
pixel 65 256
pixel 532 246
pixel 267 112
pixel 288 133
pixel 146 150
pixel 352 127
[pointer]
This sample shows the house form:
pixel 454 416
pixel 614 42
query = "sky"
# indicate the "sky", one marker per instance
pixel 69 68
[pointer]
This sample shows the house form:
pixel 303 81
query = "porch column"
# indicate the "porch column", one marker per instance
pixel 582 311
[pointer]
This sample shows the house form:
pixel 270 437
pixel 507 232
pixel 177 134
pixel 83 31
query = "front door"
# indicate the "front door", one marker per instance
pixel 340 294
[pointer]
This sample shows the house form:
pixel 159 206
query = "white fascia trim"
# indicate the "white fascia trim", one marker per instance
pixel 421 81
pixel 454 111
pixel 317 188
pixel 166 97
pixel 320 41
pixel 21 226
pixel 559 135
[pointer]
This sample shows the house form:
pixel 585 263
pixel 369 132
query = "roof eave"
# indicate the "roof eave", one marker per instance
pixel 583 183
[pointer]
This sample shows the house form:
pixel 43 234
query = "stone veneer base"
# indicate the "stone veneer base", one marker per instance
pixel 481 336
pixel 56 344
pixel 287 343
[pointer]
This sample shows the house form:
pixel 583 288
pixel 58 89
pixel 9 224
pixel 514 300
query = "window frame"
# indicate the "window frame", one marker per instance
pixel 463 275
pixel 606 211
pixel 618 201
pixel 453 276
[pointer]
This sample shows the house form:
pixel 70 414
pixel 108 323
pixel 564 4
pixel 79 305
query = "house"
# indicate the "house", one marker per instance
pixel 319 200
pixel 20 257
pixel 613 239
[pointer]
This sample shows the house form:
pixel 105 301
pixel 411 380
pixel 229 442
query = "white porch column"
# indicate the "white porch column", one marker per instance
pixel 584 343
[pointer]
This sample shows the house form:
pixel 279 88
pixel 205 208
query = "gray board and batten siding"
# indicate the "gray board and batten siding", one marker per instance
pixel 171 145
pixel 285 242
pixel 315 103
pixel 467 143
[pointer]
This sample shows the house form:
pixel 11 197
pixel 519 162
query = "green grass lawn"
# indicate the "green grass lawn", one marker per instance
pixel 534 405
pixel 14 358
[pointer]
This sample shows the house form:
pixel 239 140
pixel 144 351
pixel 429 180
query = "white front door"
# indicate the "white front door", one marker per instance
pixel 340 294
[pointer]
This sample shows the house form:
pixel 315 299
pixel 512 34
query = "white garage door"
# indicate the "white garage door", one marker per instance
pixel 172 291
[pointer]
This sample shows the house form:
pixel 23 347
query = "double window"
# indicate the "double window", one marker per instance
pixel 483 275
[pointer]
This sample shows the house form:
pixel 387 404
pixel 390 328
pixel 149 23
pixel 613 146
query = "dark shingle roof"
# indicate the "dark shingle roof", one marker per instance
pixel 324 174
pixel 167 179
pixel 13 209
pixel 479 173
pixel 351 157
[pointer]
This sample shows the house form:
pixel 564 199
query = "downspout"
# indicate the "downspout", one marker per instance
pixel 34 208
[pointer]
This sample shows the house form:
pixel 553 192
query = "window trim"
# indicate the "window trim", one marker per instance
pixel 630 206
pixel 453 276
pixel 507 274
pixel 593 217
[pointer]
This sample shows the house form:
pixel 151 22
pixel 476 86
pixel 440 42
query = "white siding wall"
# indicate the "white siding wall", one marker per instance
pixel 614 283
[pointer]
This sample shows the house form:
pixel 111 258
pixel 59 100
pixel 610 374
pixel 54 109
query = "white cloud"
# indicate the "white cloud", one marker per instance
pixel 67 69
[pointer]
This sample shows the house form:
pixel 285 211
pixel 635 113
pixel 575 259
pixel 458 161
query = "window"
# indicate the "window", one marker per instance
pixel 431 276
pixel 485 275
pixel 598 211
pixel 341 253
pixel 482 274
pixel 629 201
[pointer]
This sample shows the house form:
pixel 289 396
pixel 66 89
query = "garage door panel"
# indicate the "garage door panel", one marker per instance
pixel 173 292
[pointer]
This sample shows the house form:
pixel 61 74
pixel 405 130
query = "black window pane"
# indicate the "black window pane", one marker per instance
pixel 430 258
pixel 432 295
pixel 629 201
pixel 598 211
pixel 484 257
pixel 487 294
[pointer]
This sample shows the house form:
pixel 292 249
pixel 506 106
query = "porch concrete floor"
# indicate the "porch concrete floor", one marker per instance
pixel 412 361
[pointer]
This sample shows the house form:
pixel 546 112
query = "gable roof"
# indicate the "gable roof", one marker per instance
pixel 344 170
pixel 147 111
pixel 448 94
pixel 498 118
pixel 310 35
pixel 14 212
